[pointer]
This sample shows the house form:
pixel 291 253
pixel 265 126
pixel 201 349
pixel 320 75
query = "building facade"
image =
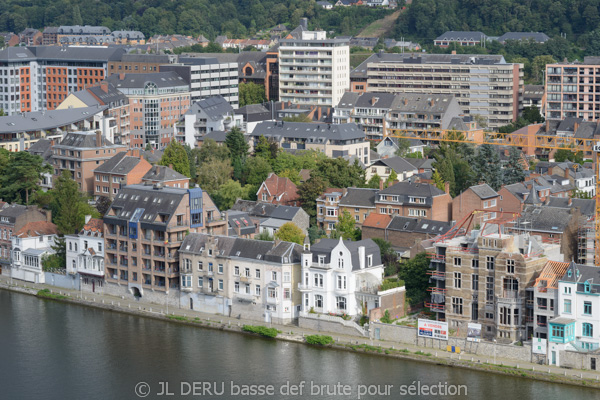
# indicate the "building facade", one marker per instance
pixel 85 255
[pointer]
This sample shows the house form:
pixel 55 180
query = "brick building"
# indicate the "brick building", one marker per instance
pixel 121 170
pixel 413 199
pixel 479 197
pixel 278 190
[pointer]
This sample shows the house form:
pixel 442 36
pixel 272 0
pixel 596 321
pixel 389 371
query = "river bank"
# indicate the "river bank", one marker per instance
pixel 297 335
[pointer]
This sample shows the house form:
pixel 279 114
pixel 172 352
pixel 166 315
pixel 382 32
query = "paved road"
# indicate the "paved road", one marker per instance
pixel 294 330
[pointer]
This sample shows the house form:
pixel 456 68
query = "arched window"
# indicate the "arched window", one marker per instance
pixel 150 88
pixel 318 301
pixel 248 71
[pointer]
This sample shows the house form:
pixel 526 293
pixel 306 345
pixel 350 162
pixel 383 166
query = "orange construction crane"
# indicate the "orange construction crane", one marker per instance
pixel 550 142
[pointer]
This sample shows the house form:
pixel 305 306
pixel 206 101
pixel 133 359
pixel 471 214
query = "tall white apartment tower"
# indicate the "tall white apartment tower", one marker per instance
pixel 314 70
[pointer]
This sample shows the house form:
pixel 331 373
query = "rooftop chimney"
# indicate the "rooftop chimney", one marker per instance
pixel 380 184
pixel 453 52
pixel 98 139
pixel 447 187
pixel 567 173
pixel 304 23
pixel 361 256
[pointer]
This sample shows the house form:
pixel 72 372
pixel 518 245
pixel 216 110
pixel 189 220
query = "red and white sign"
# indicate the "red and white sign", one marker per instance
pixel 433 329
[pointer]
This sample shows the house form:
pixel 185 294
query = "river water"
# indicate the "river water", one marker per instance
pixel 51 350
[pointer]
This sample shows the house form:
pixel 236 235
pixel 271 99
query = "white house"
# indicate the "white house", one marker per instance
pixel 341 276
pixel 29 245
pixel 85 255
pixel 577 327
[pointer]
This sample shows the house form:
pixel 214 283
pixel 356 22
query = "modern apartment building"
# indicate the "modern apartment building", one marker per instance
pixel 39 78
pixel 144 229
pixel 572 90
pixel 81 153
pixel 483 84
pixel 157 101
pixel 245 278
pixel 313 70
pixel 207 76
pixel 138 63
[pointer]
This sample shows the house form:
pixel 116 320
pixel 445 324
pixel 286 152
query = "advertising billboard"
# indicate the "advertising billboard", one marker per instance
pixel 433 329
pixel 473 332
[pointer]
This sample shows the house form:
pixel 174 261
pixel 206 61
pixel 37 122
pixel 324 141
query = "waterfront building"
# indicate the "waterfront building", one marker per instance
pixel 85 255
pixel 29 245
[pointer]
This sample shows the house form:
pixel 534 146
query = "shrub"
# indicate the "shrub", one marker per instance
pixel 261 330
pixel 391 283
pixel 319 339
pixel 177 317
pixel 386 318
pixel 45 293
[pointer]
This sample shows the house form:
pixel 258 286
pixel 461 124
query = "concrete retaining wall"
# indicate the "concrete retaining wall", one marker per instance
pixel 330 324
pixel 156 297
pixel 63 281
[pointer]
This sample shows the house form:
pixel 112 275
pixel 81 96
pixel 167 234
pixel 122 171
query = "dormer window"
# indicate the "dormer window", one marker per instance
pixel 569 273
pixel 321 259
pixel 586 287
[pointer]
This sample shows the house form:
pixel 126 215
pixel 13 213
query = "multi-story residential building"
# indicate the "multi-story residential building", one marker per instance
pixel 476 198
pixel 359 203
pixel 485 85
pixel 166 176
pixel 415 199
pixel 461 38
pixel 380 113
pixel 341 277
pixel 534 191
pixel 542 302
pixel 570 89
pixel 81 153
pixel 483 278
pixel 43 148
pixel 272 216
pixel 537 37
pixel 534 96
pixel 313 69
pixel 335 140
pixel 143 231
pixel 13 217
pixel 50 36
pixel 244 278
pixel 115 122
pixel 207 76
pixel 204 116
pixel 578 308
pixel 39 78
pixel 278 190
pixel 138 63
pixel 85 255
pixel 29 245
pixel 157 101
pixel 121 170
pixel 328 208
pixel 384 167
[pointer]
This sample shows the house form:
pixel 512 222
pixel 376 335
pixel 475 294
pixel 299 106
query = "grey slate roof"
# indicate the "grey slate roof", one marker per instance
pixel 254 113
pixel 359 197
pixel 217 136
pixel 12 212
pixel 84 140
pixel 313 132
pixel 325 246
pixel 119 164
pixel 533 92
pixel 413 189
pixel 484 191
pixel 398 164
pixel 41 148
pixel 266 210
pixel 421 163
pixel 46 120
pixel 348 100
pixel 79 53
pixel 587 207
pixel 416 225
pixel 162 173
pixel 215 107
pixel 536 36
pixel 581 274
pixel 83 30
pixel 241 220
pixel 138 81
pixel 229 247
pixel 461 36
pixel 543 219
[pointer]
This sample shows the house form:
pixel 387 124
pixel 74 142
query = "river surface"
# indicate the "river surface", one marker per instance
pixel 51 350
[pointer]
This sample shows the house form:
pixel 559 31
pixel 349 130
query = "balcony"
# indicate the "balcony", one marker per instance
pixel 244 279
pixel 303 288
pixel 272 300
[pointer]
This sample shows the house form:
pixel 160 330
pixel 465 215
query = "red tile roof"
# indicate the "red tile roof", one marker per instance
pixel 38 228
pixel 283 189
pixel 375 220
pixel 94 225
pixel 552 272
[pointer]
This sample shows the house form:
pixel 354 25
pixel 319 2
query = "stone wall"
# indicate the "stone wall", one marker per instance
pixel 63 281
pixel 156 297
pixel 330 324
pixel 574 359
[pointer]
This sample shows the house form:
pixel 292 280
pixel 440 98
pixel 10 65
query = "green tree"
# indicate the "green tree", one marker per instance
pixel 340 173
pixel 513 171
pixel 256 170
pixel 251 93
pixel 103 205
pixel 403 147
pixel 210 150
pixel 414 274
pixel 298 118
pixel 389 257
pixel 290 232
pixel 373 183
pixel 308 193
pixel 580 194
pixel 438 181
pixel 315 233
pixel 58 259
pixel 69 206
pixel 176 155
pixel 266 149
pixel 346 228
pixel 229 193
pixel 538 66
pixel 393 177
pixel 238 148
pixel 21 176
pixel 486 166
pixel 532 115
pixel 214 173
pixel 291 174
pixel 566 154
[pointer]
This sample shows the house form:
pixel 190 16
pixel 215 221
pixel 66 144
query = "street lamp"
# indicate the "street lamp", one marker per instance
pixel 494 351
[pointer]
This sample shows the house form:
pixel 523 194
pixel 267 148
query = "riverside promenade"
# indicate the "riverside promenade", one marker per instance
pixel 294 333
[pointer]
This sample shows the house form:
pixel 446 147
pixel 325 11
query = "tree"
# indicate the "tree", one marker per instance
pixel 291 174
pixel 315 233
pixel 538 66
pixel 290 232
pixel 340 173
pixel 251 93
pixel 211 150
pixel 69 206
pixel 514 172
pixel 103 205
pixel 403 147
pixel 414 274
pixel 21 176
pixel 238 149
pixel 486 166
pixel 264 235
pixel 308 193
pixel 389 257
pixel 566 154
pixel 176 156
pixel 298 118
pixel 229 193
pixel 373 183
pixel 266 149
pixel 192 160
pixel 214 173
pixel 256 170
pixel 58 259
pixel 580 194
pixel 438 181
pixel 532 115
pixel 346 228
pixel 593 45
pixel 393 177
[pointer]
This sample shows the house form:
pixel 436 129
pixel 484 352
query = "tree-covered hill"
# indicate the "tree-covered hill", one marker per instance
pixel 235 18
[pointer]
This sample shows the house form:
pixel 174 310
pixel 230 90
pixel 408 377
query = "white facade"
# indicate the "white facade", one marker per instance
pixel 27 257
pixel 338 286
pixel 85 256
pixel 314 70
pixel 584 307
